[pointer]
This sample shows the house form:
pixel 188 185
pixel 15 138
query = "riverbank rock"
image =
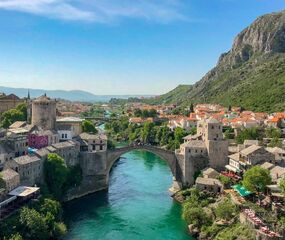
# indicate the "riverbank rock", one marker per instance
pixel 193 230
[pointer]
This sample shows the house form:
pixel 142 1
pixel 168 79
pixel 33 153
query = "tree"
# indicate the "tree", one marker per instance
pixel 88 126
pixel 229 133
pixel 148 134
pixel 110 144
pixel 179 134
pixel 52 207
pixel 272 132
pixel 23 108
pixel 275 142
pixel 34 224
pixel 194 215
pixel 15 236
pixel 56 174
pixel 16 114
pixel 225 180
pixel 248 134
pixel 191 108
pixel 226 210
pixel 137 112
pixel 256 178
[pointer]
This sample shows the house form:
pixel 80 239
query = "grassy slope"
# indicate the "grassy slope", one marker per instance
pixel 257 85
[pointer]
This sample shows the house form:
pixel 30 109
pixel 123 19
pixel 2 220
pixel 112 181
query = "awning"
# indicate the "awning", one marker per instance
pixel 7 201
pixel 231 168
pixel 241 190
pixel 23 191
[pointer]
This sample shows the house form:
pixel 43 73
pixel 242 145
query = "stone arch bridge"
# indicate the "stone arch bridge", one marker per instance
pixel 166 155
pixel 96 167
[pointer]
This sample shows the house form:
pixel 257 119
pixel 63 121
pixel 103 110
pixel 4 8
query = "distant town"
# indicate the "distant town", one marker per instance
pixel 222 158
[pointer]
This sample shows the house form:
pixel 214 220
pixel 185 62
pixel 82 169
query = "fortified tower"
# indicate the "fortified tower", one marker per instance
pixel 216 145
pixel 44 113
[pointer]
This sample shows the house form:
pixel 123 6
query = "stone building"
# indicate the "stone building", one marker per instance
pixel 39 138
pixel 209 185
pixel 68 150
pixel 248 157
pixel 205 149
pixel 44 113
pixel 17 140
pixel 10 101
pixel 6 153
pixel 212 135
pixel 68 127
pixel 11 179
pixel 30 169
pixel 92 142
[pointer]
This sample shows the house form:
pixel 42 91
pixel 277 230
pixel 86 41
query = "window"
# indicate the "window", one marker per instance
pixel 101 147
pixel 93 147
pixel 62 135
pixel 65 135
pixel 212 127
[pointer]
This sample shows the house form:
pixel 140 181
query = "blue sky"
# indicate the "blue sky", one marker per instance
pixel 118 46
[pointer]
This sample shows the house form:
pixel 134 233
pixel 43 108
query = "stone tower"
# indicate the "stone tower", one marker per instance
pixel 212 135
pixel 44 113
pixel 216 145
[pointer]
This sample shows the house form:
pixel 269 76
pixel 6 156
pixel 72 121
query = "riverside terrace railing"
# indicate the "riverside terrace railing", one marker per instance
pixel 13 203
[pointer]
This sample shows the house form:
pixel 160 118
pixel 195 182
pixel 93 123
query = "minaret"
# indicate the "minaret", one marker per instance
pixel 29 108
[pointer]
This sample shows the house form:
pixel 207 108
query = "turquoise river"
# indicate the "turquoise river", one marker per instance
pixel 136 206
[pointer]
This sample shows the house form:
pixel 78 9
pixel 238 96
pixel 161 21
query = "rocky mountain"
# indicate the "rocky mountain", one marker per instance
pixel 251 74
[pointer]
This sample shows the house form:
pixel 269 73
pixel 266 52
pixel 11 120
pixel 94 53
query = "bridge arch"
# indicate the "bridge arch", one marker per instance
pixel 166 155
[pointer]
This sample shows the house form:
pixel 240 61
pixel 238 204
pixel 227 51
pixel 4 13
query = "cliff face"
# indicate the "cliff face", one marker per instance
pixel 251 74
pixel 265 35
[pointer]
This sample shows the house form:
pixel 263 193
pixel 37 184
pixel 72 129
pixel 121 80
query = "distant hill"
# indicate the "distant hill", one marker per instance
pixel 74 95
pixel 251 74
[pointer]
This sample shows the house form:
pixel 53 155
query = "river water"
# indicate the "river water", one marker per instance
pixel 136 206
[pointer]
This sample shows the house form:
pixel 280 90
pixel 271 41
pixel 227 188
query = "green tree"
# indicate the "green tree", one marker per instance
pixel 226 210
pixel 59 230
pixel 225 180
pixel 272 132
pixel 23 108
pixel 88 126
pixel 194 215
pixel 15 236
pixel 191 108
pixel 56 174
pixel 256 178
pixel 110 144
pixel 137 112
pixel 52 207
pixel 248 134
pixel 34 223
pixel 275 142
pixel 148 134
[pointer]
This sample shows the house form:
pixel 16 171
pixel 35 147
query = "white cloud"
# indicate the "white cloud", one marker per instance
pixel 99 10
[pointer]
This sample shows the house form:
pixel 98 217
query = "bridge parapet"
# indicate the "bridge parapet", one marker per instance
pixel 168 156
